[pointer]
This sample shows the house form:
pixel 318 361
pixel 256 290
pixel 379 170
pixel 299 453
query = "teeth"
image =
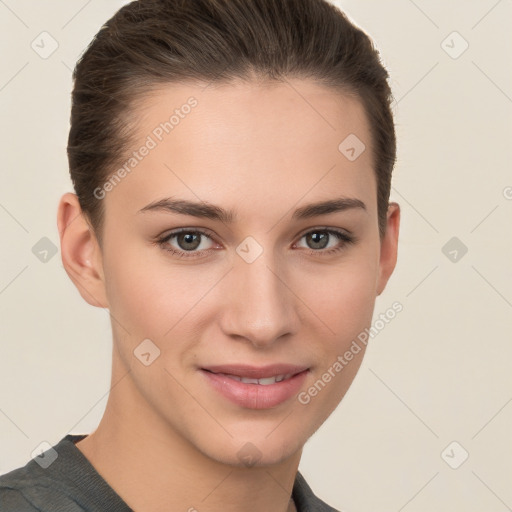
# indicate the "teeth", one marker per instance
pixel 246 380
pixel 267 381
pixel 262 382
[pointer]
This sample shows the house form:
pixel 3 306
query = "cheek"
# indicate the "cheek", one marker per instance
pixel 151 298
pixel 144 299
pixel 343 296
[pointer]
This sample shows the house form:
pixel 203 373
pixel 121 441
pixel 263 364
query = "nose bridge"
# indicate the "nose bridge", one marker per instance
pixel 260 304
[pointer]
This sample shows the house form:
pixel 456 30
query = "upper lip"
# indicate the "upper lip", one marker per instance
pixel 256 372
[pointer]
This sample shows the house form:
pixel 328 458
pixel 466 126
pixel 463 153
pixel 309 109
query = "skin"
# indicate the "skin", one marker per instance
pixel 168 440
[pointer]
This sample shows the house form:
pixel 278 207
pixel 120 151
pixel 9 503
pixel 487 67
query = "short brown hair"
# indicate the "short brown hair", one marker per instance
pixel 148 43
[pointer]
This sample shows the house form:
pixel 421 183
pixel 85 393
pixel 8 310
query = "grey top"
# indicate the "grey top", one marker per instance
pixel 70 483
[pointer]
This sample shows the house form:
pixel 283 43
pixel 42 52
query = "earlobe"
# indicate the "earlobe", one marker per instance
pixel 80 252
pixel 389 247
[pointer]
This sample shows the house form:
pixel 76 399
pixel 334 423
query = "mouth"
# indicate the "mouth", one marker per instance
pixel 264 381
pixel 256 387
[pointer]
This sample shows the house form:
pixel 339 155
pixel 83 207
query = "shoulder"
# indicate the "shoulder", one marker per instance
pixel 12 500
pixel 306 500
pixel 22 488
pixel 33 487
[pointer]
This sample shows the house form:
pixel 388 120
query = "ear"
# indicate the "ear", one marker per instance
pixel 80 251
pixel 389 246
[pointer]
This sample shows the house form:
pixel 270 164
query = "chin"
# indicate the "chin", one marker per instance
pixel 253 452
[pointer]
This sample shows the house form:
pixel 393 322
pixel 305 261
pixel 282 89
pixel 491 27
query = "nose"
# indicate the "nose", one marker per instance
pixel 260 305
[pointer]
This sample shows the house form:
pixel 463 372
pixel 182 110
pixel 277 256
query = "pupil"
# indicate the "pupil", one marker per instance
pixel 189 239
pixel 318 238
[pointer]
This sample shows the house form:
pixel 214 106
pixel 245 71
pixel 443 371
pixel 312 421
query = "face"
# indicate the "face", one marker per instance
pixel 248 282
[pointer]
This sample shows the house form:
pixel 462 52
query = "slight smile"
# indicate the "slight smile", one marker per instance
pixel 256 387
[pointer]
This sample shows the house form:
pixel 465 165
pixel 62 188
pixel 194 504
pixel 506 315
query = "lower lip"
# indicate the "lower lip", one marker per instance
pixel 256 396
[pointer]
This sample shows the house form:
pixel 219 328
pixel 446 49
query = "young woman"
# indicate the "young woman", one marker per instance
pixel 232 164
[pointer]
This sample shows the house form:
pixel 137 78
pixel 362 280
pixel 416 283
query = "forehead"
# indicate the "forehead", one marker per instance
pixel 255 141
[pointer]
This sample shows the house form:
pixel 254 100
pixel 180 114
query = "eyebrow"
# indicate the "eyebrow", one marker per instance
pixel 213 212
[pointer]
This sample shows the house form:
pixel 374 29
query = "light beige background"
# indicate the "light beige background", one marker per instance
pixel 438 373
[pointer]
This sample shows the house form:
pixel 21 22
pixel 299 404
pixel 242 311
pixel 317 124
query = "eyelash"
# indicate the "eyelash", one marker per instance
pixel 340 235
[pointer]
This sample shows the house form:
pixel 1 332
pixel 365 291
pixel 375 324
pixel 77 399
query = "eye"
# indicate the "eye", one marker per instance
pixel 189 242
pixel 318 240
